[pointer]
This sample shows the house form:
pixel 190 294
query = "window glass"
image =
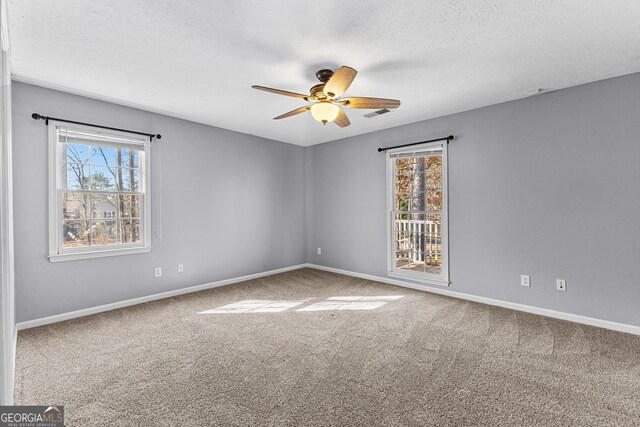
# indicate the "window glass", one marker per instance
pixel 100 185
pixel 418 232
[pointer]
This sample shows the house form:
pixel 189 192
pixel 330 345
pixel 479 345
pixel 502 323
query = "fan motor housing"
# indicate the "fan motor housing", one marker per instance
pixel 324 75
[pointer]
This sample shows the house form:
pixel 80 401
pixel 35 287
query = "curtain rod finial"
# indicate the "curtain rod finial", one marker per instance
pixel 158 136
pixel 37 116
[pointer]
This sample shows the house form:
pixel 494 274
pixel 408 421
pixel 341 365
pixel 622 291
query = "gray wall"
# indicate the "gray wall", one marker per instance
pixel 224 204
pixel 547 186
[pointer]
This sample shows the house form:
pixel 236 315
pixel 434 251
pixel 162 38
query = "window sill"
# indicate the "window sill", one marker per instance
pixel 98 254
pixel 418 278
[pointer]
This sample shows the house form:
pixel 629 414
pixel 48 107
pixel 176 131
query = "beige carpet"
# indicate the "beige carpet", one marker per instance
pixel 421 359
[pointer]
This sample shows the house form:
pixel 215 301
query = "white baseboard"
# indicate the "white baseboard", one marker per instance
pixel 112 306
pixel 615 326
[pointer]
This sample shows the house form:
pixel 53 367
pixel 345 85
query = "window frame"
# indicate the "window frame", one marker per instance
pixel 57 251
pixel 442 279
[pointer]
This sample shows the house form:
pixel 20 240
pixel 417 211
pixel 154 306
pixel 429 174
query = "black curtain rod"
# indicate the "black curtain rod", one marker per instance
pixel 448 138
pixel 46 119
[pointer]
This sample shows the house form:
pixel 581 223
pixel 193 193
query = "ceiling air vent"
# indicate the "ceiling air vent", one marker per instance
pixel 377 113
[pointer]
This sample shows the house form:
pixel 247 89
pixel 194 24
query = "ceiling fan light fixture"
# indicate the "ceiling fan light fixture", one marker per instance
pixel 326 98
pixel 324 112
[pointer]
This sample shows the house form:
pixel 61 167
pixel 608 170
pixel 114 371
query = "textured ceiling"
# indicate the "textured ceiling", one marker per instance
pixel 198 59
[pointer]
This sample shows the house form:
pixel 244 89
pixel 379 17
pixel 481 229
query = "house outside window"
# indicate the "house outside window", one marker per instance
pixel 417 225
pixel 98 192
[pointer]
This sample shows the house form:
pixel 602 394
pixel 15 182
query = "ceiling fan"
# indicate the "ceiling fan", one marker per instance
pixel 326 98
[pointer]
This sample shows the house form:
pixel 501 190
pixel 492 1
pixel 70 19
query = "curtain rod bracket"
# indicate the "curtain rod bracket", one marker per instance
pixel 46 119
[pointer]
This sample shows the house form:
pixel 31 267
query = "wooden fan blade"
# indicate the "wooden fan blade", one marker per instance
pixel 340 82
pixel 342 120
pixel 372 103
pixel 280 92
pixel 293 112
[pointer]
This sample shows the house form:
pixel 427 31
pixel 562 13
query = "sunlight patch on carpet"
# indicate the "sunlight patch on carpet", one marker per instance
pixel 256 306
pixel 351 303
pixel 358 302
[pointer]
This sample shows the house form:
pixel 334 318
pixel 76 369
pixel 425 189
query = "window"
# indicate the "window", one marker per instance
pixel 417 206
pixel 98 192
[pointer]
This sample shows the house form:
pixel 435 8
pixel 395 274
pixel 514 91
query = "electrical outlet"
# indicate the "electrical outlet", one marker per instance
pixel 180 268
pixel 319 251
pixel 525 280
pixel 158 271
pixel 561 285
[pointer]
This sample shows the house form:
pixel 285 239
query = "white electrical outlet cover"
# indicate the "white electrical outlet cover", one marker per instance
pixel 525 280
